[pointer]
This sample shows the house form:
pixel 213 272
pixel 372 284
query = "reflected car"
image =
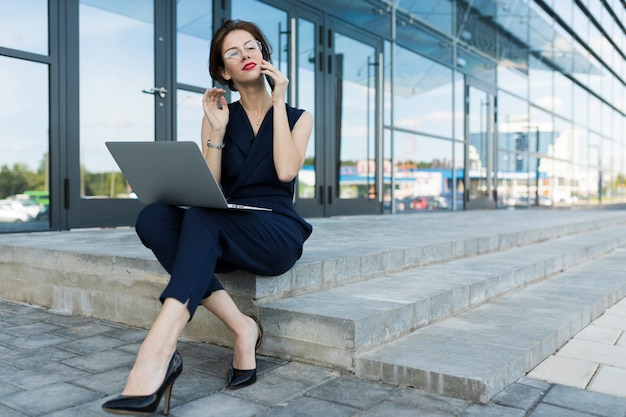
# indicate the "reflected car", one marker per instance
pixel 31 207
pixel 9 214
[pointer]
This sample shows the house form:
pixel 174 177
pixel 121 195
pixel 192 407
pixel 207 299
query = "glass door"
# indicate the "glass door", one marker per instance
pixel 353 181
pixel 122 96
pixel 480 181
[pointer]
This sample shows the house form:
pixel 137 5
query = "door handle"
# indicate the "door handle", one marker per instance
pixel 161 91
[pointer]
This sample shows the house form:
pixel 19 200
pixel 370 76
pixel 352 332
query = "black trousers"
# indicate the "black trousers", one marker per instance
pixel 194 243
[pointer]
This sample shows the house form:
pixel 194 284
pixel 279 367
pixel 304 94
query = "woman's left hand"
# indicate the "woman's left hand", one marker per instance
pixel 280 81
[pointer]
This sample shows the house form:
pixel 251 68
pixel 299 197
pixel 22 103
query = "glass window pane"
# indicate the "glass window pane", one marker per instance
pixel 24 130
pixel 194 31
pixel 512 80
pixel 306 100
pixel 24 25
pixel 188 116
pixel 563 95
pixel 581 107
pixel 423 173
pixel 540 77
pixel 116 64
pixel 459 178
pixel 423 94
pixel 355 116
pixel 513 126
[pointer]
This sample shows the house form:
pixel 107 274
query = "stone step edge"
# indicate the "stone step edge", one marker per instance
pixel 336 339
pixel 480 379
pixel 318 275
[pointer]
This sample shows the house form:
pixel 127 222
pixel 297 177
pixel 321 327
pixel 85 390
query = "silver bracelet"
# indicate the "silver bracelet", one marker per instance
pixel 210 145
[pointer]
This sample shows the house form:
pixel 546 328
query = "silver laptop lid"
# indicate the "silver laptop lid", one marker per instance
pixel 168 172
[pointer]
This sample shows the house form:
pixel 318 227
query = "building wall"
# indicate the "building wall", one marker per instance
pixel 509 103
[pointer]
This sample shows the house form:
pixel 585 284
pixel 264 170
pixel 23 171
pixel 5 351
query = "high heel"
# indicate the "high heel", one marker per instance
pixel 148 404
pixel 239 378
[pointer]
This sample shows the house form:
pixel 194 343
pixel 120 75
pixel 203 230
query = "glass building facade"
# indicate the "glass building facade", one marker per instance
pixel 418 105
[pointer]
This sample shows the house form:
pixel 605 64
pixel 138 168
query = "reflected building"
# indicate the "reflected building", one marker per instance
pixel 418 105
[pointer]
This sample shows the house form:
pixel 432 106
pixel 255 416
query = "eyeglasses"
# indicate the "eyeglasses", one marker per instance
pixel 250 48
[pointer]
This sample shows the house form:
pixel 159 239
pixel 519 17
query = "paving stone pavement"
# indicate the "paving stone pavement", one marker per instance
pixel 58 365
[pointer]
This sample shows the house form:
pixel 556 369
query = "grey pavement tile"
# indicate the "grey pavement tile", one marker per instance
pixel 35 341
pixel 70 412
pixel 9 412
pixel 131 347
pixel 67 320
pixel 353 392
pixel 25 319
pixel 305 373
pixel 547 410
pixel 107 382
pixel 218 405
pixel 423 399
pixel 103 361
pixel 31 329
pixel 6 353
pixel 586 401
pixel 49 398
pixel 193 385
pixel 388 408
pixel 519 396
pixel 204 351
pixel 8 389
pixel 84 330
pixel 491 410
pixel 127 334
pixel 310 407
pixel 35 358
pixel 4 336
pixel 271 390
pixel 52 373
pixel 542 385
pixel 91 344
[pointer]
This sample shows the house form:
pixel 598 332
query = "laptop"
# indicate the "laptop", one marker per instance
pixel 170 172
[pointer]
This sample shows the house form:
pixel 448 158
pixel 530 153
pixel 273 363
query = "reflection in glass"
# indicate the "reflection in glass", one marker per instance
pixel 422 95
pixel 355 69
pixel 188 116
pixel 480 147
pixel 423 173
pixel 306 100
pixel 540 77
pixel 24 138
pixel 24 25
pixel 116 64
pixel 513 81
pixel 514 180
pixel 194 31
pixel 459 175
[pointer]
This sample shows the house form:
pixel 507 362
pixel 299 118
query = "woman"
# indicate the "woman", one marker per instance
pixel 255 148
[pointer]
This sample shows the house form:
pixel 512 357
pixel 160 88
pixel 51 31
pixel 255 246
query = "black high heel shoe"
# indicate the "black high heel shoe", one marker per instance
pixel 148 404
pixel 239 378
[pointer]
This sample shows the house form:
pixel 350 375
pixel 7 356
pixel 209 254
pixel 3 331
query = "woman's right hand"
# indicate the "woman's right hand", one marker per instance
pixel 215 109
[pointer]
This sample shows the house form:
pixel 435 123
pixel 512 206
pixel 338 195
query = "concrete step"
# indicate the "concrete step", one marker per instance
pixel 108 274
pixel 476 354
pixel 333 326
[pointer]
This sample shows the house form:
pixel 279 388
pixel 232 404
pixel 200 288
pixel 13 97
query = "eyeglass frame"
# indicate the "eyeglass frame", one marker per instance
pixel 240 52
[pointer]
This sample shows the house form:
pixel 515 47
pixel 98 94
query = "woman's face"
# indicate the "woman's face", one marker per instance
pixel 242 56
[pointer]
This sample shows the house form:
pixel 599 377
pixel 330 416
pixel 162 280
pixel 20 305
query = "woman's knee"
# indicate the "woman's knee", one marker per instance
pixel 154 219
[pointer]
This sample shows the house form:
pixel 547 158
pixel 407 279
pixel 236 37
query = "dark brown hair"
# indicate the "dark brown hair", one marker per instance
pixel 216 59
